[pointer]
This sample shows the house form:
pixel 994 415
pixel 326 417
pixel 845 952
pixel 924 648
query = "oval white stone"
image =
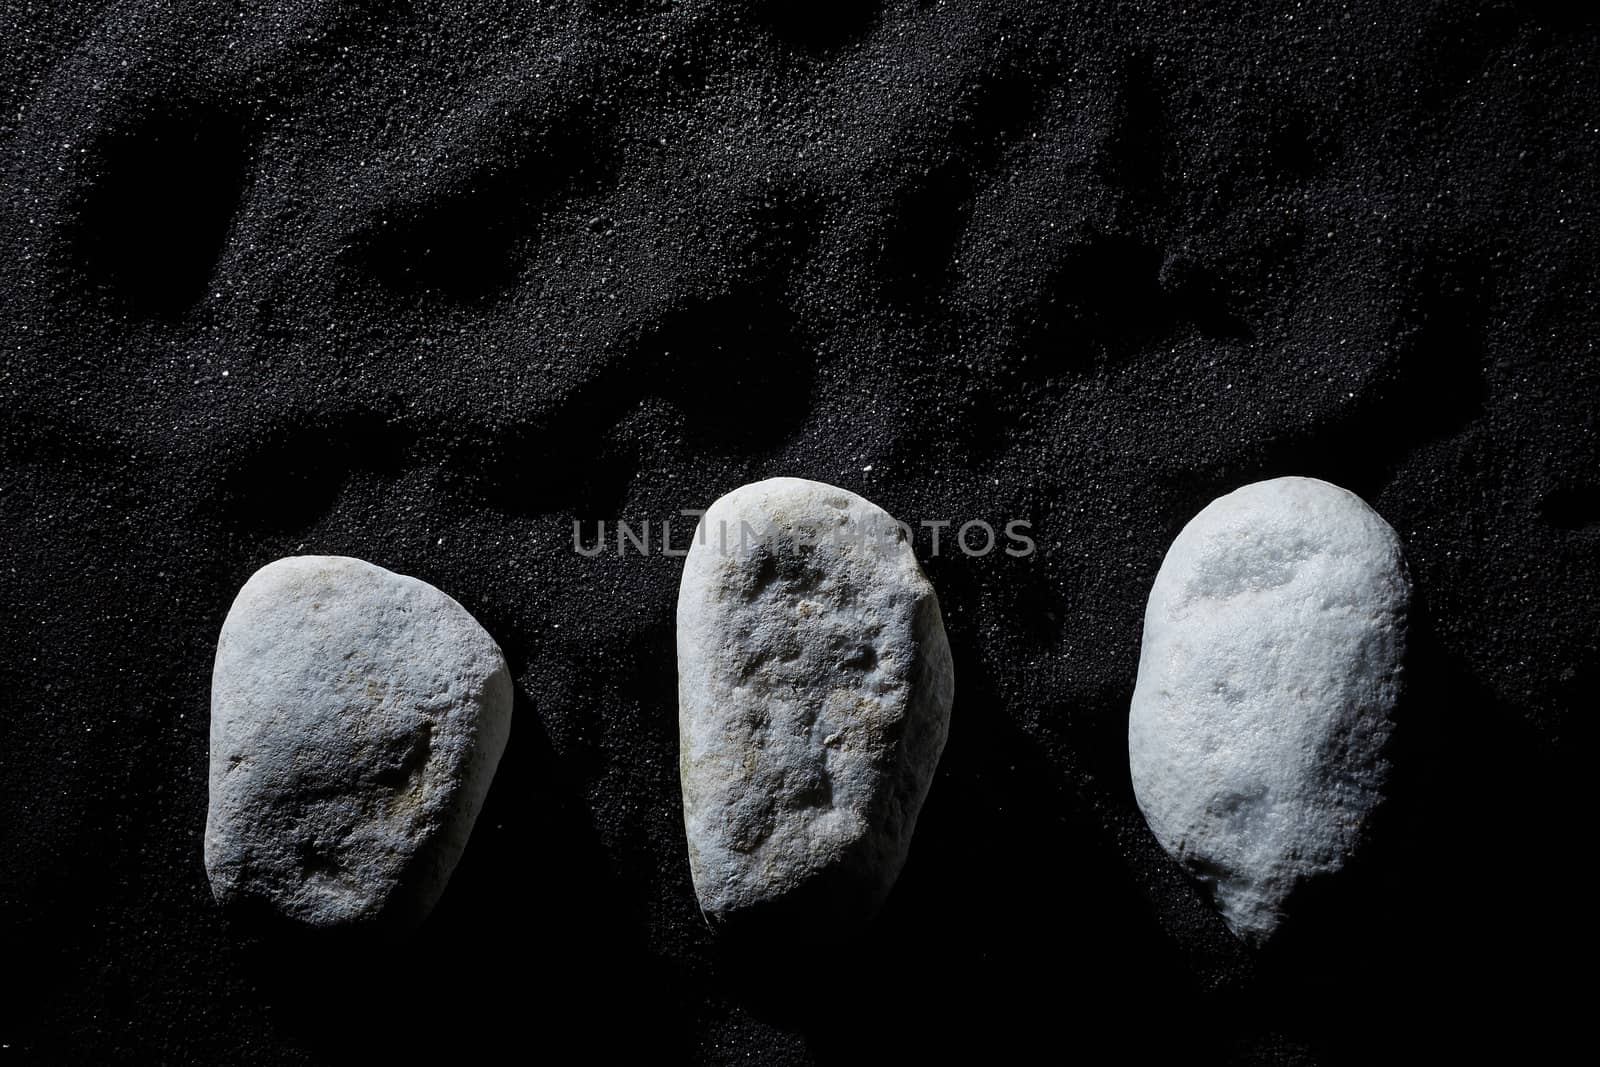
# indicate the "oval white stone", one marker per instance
pixel 357 717
pixel 1270 668
pixel 814 692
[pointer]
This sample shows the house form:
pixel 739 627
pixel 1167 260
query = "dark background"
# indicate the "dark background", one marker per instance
pixel 426 282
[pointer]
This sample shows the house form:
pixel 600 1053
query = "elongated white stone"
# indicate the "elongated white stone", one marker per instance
pixel 357 717
pixel 1271 666
pixel 814 692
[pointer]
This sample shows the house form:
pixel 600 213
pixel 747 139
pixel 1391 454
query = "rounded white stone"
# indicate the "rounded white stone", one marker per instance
pixel 357 717
pixel 1269 672
pixel 814 693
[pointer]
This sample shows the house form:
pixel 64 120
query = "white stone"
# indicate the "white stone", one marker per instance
pixel 357 717
pixel 814 692
pixel 1270 669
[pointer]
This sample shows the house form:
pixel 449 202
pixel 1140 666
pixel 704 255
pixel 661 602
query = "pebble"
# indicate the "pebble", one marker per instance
pixel 1268 677
pixel 357 718
pixel 814 693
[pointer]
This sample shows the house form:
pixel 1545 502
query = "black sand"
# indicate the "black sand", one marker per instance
pixel 426 282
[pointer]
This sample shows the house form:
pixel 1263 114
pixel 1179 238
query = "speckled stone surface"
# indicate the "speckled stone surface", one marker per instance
pixel 814 687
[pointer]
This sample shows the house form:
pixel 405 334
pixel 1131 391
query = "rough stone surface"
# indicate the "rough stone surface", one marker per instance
pixel 1270 668
pixel 357 717
pixel 815 684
